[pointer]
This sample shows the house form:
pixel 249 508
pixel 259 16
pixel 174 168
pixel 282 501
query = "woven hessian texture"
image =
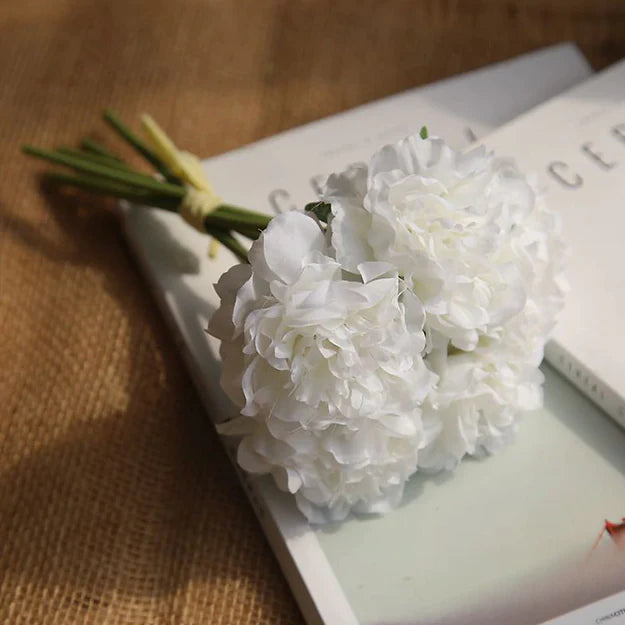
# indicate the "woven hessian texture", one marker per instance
pixel 116 506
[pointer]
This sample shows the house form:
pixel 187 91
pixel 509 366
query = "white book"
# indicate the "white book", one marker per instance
pixel 502 540
pixel 576 144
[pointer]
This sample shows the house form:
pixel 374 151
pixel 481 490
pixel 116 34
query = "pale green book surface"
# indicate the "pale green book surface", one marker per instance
pixel 507 539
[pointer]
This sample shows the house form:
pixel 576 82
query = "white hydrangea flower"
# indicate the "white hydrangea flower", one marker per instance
pixel 481 394
pixel 476 406
pixel 406 336
pixel 327 368
pixel 484 254
pixel 539 251
pixel 444 219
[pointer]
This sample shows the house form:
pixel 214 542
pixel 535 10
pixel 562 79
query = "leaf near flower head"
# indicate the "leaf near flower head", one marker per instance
pixel 321 210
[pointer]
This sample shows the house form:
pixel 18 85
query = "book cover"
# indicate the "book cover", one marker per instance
pixel 505 540
pixel 576 146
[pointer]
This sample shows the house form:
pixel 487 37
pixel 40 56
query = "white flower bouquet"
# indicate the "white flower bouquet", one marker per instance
pixel 395 325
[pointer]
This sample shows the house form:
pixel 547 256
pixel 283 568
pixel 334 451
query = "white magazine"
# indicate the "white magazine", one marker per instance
pixel 500 541
pixel 576 145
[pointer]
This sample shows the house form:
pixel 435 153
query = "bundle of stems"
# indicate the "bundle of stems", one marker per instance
pixel 97 169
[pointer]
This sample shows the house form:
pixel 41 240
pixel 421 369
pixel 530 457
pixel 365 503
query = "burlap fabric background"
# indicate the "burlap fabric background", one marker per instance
pixel 116 504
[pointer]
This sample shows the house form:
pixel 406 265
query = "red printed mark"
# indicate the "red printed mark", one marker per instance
pixel 616 532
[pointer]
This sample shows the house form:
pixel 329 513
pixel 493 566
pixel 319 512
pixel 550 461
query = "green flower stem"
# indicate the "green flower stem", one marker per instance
pixel 104 186
pixel 94 158
pixel 250 233
pixel 139 146
pixel 90 145
pixel 224 219
pixel 260 219
pixel 141 181
pixel 109 188
pixel 100 171
pixel 227 240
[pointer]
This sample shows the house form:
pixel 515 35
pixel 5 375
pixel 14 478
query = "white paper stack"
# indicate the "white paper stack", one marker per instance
pixel 502 541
